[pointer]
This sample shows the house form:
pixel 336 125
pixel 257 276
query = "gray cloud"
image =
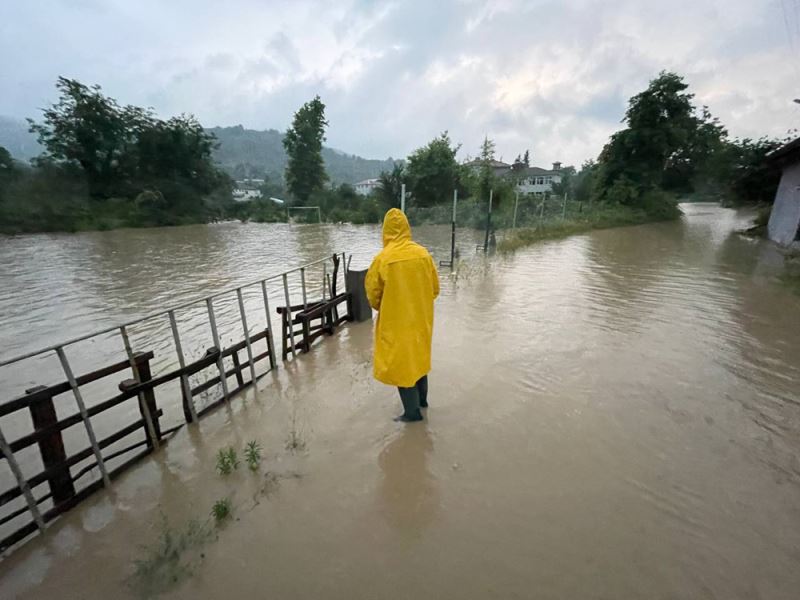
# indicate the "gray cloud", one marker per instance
pixel 550 76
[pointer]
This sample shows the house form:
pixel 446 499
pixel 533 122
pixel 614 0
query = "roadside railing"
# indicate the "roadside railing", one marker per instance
pixel 49 479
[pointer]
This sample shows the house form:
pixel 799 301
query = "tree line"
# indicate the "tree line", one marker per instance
pixel 107 165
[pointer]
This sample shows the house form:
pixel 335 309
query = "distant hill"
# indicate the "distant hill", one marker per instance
pixel 242 153
pixel 15 137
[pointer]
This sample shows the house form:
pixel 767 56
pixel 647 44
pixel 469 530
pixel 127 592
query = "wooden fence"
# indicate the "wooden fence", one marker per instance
pixel 63 476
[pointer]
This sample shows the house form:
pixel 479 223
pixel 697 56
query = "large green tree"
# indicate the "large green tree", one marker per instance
pixel 666 142
pixel 432 171
pixel 89 129
pixel 390 188
pixel 305 171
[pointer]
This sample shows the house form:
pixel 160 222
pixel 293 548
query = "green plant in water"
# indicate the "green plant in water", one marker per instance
pixel 227 461
pixel 252 454
pixel 171 559
pixel 295 441
pixel 221 509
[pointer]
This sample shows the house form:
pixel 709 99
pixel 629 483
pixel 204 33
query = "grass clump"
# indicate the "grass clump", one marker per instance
pixel 252 454
pixel 601 217
pixel 171 559
pixel 294 440
pixel 227 461
pixel 221 509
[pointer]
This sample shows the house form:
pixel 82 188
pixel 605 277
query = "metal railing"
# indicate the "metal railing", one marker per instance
pixel 134 363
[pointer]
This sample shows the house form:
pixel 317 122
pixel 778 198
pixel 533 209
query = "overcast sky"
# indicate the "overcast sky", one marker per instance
pixel 553 77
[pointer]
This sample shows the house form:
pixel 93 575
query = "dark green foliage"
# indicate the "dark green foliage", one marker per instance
pixel 432 172
pixel 246 154
pixel 106 165
pixel 227 461
pixel 305 171
pixel 390 190
pixel 221 509
pixel 252 455
pixel 344 205
pixel 752 179
pixel 670 145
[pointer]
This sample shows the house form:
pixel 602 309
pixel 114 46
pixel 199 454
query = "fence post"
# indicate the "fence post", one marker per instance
pixel 76 392
pixel 217 344
pixel 21 481
pixel 51 447
pixel 189 412
pixel 516 204
pixel 144 405
pixel 270 343
pixel 238 367
pixel 147 401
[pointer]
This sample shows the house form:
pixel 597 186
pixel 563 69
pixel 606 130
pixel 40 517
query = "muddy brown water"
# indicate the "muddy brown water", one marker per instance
pixel 614 415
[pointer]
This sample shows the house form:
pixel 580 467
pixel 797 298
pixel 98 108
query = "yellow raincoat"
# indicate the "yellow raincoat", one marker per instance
pixel 401 285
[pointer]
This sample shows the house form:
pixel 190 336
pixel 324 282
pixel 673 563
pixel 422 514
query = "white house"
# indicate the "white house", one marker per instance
pixel 535 180
pixel 530 180
pixel 366 187
pixel 243 195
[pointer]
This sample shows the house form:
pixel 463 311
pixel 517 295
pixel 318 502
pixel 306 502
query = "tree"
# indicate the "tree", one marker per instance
pixel 433 172
pixel 486 177
pixel 753 178
pixel 663 145
pixel 305 171
pixel 91 130
pixel 583 181
pixel 8 170
pixel 567 183
pixel 390 188
pixel 526 159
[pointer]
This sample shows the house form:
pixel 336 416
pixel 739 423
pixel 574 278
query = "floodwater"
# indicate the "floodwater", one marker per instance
pixel 614 415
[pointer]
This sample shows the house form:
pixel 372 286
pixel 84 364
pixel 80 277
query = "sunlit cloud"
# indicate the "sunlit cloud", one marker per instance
pixel 549 76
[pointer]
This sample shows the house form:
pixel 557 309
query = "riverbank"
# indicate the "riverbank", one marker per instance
pixel 603 217
pixel 612 415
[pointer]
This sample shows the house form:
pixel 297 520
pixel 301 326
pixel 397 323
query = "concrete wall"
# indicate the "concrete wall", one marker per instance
pixel 785 218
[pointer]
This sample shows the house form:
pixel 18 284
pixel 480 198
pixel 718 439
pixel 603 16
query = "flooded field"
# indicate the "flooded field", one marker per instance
pixel 613 415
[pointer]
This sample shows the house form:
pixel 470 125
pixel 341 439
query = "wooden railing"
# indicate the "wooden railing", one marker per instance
pixel 48 429
pixel 62 475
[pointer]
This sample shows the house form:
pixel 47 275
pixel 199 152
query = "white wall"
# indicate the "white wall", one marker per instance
pixel 785 217
pixel 528 186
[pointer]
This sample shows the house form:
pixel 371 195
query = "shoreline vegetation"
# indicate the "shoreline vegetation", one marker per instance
pixel 582 222
pixel 108 166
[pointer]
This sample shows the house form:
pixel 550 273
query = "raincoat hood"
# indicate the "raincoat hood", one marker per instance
pixel 395 227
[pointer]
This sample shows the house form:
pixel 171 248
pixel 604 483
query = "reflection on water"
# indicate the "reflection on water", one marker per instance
pixel 408 492
pixel 613 415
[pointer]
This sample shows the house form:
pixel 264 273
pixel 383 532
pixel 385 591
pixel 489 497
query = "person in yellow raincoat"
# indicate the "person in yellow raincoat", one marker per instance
pixel 401 285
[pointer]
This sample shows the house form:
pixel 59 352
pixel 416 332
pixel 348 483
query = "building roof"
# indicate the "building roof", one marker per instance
pixel 788 153
pixel 495 164
pixel 373 181
pixel 534 172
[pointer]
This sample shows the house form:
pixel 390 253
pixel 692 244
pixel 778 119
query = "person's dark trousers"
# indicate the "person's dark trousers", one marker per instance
pixel 414 398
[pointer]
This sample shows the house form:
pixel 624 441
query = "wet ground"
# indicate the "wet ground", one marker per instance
pixel 614 415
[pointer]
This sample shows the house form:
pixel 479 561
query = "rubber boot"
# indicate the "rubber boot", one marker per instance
pixel 422 389
pixel 410 399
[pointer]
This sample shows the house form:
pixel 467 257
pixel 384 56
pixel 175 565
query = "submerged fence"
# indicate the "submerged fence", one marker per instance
pixel 54 463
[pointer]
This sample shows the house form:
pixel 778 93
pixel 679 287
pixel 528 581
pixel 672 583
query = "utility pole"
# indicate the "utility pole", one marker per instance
pixel 451 262
pixel 403 197
pixel 516 204
pixel 488 223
